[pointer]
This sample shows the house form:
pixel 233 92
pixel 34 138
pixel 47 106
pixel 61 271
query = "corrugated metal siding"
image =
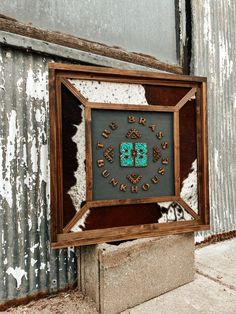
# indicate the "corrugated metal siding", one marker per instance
pixel 214 56
pixel 27 264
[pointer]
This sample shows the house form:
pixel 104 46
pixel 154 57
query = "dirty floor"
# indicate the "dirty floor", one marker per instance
pixel 213 290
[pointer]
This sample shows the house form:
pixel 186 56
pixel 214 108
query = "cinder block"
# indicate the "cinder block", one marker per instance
pixel 118 277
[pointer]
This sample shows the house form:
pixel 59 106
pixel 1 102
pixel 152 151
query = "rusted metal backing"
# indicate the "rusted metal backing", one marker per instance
pixel 27 263
pixel 214 56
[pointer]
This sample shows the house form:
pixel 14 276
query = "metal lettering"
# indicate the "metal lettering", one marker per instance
pixel 145 186
pixel 155 180
pixel 99 145
pixel 114 182
pixel 134 189
pixel 106 133
pixel 142 120
pixel 131 119
pixel 161 171
pixel 160 135
pixel 100 163
pixel 152 127
pixel 105 173
pixel 113 126
pixel 164 145
pixel 123 187
pixel 165 161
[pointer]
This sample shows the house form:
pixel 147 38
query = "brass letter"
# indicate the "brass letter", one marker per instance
pixel 164 145
pixel 155 179
pixel 159 135
pixel 131 119
pixel 134 188
pixel 123 187
pixel 113 126
pixel 145 186
pixel 99 145
pixel 142 120
pixel 114 182
pixel 161 171
pixel 152 127
pixel 165 161
pixel 106 133
pixel 105 173
pixel 100 163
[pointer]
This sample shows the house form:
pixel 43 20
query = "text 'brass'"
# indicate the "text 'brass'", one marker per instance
pixel 142 120
pixel 152 127
pixel 113 182
pixel 113 125
pixel 106 133
pixel 131 119
pixel 100 145
pixel 145 186
pixel 134 189
pixel 123 187
pixel 161 171
pixel 105 173
pixel 100 163
pixel 155 180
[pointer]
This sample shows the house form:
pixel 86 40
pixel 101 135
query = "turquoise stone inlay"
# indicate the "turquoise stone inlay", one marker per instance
pixel 126 159
pixel 141 157
pixel 133 155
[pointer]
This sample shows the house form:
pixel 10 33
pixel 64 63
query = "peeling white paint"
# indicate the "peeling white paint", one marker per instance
pixel 108 92
pixel 19 84
pixel 18 273
pixel 33 247
pixel 36 84
pixel 33 261
pixel 189 189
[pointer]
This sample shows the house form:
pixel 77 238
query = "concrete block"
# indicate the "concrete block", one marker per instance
pixel 118 277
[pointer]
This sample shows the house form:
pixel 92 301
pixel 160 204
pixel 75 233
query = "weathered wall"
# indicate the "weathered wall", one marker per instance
pixel 214 46
pixel 137 25
pixel 27 264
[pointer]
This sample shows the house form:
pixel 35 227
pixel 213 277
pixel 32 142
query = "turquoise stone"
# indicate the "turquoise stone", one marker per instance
pixel 133 155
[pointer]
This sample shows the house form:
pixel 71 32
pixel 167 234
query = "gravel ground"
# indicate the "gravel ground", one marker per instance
pixel 62 303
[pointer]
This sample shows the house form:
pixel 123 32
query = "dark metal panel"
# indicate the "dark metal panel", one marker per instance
pixel 27 263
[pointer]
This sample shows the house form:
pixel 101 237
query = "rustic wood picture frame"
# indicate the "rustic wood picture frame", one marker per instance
pixel 59 74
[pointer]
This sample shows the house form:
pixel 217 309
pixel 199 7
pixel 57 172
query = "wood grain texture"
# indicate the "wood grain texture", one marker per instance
pixel 89 158
pixel 94 71
pixel 125 233
pixel 60 74
pixel 186 98
pixel 85 45
pixel 131 107
pixel 75 91
pixel 176 154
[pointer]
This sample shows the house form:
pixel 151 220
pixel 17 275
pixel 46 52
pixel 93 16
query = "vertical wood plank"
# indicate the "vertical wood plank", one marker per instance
pixel 59 161
pixel 176 154
pixel 89 159
pixel 53 155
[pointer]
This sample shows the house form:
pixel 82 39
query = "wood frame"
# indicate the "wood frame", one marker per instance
pixel 61 235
